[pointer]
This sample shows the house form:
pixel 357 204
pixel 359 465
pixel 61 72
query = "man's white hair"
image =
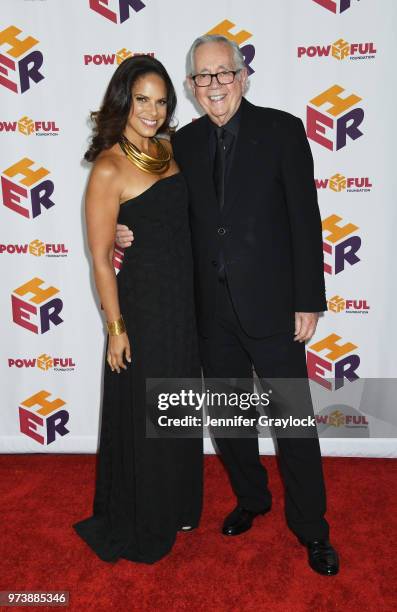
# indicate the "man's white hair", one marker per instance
pixel 238 57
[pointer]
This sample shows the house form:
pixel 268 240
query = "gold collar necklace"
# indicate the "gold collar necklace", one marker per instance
pixel 153 165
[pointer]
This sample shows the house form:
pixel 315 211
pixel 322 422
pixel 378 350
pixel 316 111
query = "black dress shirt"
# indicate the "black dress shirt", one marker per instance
pixel 231 128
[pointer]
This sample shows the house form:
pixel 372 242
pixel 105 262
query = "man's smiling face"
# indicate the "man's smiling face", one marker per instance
pixel 220 102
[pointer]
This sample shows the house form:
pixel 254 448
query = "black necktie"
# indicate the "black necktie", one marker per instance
pixel 219 166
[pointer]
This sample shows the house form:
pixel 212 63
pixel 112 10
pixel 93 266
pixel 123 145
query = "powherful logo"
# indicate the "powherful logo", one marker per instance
pixel 26 189
pixel 334 6
pixel 347 184
pixel 339 117
pixel 37 248
pixel 111 59
pixel 28 127
pixel 331 358
pixel 224 29
pixel 116 11
pixel 44 363
pixel 20 62
pixel 342 420
pixel 338 304
pixel 43 419
pixel 341 244
pixel 35 307
pixel 339 50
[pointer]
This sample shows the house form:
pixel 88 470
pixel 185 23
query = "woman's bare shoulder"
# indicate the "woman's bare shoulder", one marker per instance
pixel 107 164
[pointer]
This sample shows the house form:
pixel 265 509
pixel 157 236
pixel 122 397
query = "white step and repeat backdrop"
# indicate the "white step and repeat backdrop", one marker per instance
pixel 330 62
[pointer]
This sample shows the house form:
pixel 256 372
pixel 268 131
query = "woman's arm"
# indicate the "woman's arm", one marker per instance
pixel 102 206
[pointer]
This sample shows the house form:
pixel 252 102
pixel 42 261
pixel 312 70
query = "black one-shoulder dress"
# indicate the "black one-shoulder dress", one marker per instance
pixel 147 488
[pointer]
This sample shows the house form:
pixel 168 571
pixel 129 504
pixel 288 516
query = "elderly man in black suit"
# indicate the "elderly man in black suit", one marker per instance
pixel 259 280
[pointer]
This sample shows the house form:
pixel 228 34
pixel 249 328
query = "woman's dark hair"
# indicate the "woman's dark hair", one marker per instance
pixel 110 120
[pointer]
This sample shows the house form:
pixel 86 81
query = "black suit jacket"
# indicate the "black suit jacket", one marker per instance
pixel 270 226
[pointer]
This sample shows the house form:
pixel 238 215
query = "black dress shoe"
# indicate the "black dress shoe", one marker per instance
pixel 240 520
pixel 323 557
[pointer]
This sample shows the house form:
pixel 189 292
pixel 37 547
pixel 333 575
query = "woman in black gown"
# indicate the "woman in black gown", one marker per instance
pixel 147 489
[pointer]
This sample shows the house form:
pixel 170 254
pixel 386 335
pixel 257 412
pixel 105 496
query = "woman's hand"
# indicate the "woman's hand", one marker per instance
pixel 116 347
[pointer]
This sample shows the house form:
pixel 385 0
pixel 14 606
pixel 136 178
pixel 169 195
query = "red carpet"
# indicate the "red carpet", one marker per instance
pixel 264 569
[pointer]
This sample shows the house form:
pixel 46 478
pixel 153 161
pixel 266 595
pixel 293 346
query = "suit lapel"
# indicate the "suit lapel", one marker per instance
pixel 246 150
pixel 200 156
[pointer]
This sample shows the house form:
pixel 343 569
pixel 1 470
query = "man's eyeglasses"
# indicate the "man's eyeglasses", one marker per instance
pixel 224 78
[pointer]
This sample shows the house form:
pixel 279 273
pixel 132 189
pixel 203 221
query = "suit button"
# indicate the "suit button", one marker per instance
pixel 214 263
pixel 221 231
